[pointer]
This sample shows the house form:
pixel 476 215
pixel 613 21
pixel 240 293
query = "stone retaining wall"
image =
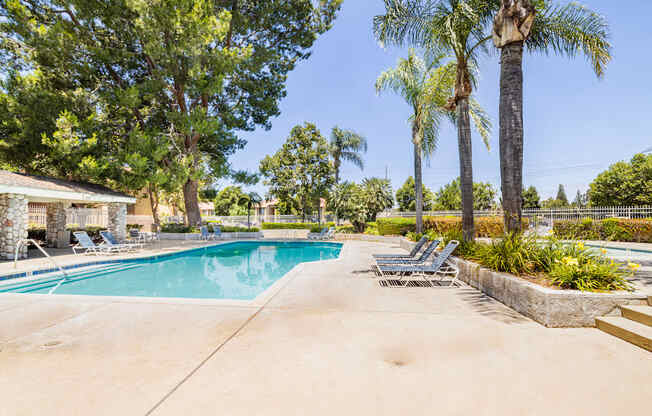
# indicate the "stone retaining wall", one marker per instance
pixel 550 307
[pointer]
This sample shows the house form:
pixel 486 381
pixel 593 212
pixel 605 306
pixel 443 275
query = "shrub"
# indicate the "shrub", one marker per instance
pixel 611 229
pixel 36 232
pixel 484 226
pixel 574 273
pixel 395 226
pixel 371 228
pixel 177 228
pixel 512 254
pixel 316 228
pixel 287 225
pixel 134 226
pixel 233 229
pixel 345 229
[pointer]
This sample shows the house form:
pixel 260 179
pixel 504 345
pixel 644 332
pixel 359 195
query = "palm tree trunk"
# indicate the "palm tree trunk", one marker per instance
pixel 511 133
pixel 336 164
pixel 466 166
pixel 418 187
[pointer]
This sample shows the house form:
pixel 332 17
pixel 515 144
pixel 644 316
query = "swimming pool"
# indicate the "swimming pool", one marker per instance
pixel 239 270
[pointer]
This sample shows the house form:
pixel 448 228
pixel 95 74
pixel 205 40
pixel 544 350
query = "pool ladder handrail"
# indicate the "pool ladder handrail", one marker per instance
pixel 29 240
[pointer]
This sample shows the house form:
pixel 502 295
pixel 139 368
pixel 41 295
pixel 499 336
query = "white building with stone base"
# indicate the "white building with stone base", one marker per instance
pixel 18 190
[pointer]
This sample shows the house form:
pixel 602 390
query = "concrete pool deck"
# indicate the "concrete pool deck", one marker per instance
pixel 330 340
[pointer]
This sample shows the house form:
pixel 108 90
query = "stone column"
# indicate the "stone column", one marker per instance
pixel 118 220
pixel 14 216
pixel 56 235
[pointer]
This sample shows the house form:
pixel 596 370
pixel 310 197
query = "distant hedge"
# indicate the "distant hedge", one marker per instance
pixel 610 229
pixel 312 226
pixel 484 226
pixel 184 229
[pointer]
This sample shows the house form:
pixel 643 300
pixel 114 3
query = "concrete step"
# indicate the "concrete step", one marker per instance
pixel 630 331
pixel 638 313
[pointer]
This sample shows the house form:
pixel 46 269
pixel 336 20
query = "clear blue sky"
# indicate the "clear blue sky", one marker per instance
pixel 575 124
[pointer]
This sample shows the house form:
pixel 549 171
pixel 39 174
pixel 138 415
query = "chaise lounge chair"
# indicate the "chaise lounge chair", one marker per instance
pixel 84 242
pixel 413 253
pixel 330 234
pixel 419 260
pixel 206 236
pixel 319 235
pixel 111 241
pixel 440 266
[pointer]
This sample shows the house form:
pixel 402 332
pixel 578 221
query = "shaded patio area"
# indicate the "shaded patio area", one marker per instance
pixel 18 190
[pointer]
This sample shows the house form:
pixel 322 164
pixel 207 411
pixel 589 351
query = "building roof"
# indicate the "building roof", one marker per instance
pixel 42 188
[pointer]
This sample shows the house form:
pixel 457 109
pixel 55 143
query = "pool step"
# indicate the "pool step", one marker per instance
pixel 53 280
pixel 626 329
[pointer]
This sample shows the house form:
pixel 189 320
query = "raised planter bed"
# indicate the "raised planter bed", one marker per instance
pixel 550 307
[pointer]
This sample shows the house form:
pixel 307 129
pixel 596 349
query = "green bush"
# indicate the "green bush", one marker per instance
pixel 316 228
pixel 395 226
pixel 484 226
pixel 345 229
pixel 134 226
pixel 288 225
pixel 371 228
pixel 178 228
pixel 36 232
pixel 610 229
pixel 233 229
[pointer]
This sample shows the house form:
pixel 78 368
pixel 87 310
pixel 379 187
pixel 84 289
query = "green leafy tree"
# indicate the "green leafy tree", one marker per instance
pixel 624 183
pixel 425 84
pixel 349 201
pixel 346 146
pixel 553 203
pixel 581 200
pixel 459 27
pixel 378 196
pixel 561 196
pixel 231 201
pixel 449 197
pixel 301 170
pixel 540 26
pixel 406 198
pixel 195 70
pixel 531 199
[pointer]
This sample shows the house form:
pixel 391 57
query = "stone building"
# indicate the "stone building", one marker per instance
pixel 17 190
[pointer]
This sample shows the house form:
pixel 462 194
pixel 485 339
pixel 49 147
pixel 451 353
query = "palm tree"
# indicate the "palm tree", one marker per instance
pixel 461 27
pixel 346 145
pixel 540 27
pixel 252 199
pixel 425 84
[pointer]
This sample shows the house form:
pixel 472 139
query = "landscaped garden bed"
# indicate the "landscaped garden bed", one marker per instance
pixel 544 281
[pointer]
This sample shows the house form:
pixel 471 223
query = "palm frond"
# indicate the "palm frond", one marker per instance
pixel 354 158
pixel 481 121
pixel 570 30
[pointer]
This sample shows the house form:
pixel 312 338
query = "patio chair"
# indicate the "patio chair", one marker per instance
pixel 330 234
pixel 111 241
pixel 136 236
pixel 84 242
pixel 206 236
pixel 217 232
pixel 413 253
pixel 440 266
pixel 420 260
pixel 319 235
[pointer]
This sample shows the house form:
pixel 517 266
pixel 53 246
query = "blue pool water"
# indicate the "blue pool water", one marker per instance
pixel 240 270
